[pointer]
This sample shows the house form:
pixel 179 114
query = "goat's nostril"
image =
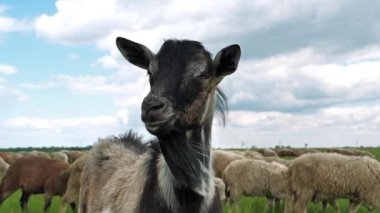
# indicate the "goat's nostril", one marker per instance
pixel 153 104
pixel 156 105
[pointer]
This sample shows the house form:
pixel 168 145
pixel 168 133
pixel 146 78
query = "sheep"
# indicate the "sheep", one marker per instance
pixel 255 178
pixel 7 157
pixel 34 174
pixel 277 160
pixel 35 153
pixel 324 176
pixel 285 152
pixel 3 168
pixel 59 156
pixel 71 195
pixel 351 152
pixel 221 187
pixel 221 159
pixel 73 154
pixel 250 154
pixel 268 152
pixel 16 156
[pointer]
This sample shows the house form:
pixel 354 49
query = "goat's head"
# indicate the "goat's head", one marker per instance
pixel 183 79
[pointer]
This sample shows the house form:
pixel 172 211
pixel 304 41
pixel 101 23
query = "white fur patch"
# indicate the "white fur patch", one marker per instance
pixel 165 181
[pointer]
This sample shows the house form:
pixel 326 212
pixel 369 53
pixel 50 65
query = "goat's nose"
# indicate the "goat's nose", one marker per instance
pixel 153 104
pixel 153 109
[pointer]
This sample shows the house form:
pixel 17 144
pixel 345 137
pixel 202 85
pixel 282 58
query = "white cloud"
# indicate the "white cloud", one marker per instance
pixel 9 94
pixel 333 126
pixel 123 116
pixel 58 125
pixel 8 24
pixel 7 69
pixel 149 21
pixel 304 80
pixel 40 85
pixel 108 62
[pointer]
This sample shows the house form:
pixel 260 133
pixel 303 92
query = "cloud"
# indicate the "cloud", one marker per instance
pixel 261 27
pixel 305 80
pixel 7 69
pixel 332 126
pixel 9 95
pixel 57 125
pixel 37 131
pixel 40 85
pixel 8 24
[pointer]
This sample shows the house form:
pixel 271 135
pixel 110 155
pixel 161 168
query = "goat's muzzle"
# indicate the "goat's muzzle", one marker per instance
pixel 157 114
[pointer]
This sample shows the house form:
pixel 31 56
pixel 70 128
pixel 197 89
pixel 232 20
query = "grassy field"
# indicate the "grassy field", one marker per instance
pixel 36 203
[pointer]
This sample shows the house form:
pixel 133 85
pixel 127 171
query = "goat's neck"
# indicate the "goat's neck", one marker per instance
pixel 187 154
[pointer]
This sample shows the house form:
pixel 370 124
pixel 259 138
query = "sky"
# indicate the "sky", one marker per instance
pixel 309 71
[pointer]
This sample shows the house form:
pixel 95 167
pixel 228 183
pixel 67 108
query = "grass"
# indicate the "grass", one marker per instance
pixel 249 205
pixel 35 204
pixel 246 205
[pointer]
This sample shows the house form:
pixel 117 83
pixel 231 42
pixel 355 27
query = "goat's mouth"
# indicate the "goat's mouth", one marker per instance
pixel 161 126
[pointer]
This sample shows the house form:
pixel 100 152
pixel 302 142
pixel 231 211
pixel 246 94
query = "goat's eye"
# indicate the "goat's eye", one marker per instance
pixel 149 73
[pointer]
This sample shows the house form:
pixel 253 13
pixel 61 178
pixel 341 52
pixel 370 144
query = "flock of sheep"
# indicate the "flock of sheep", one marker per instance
pixel 35 172
pixel 310 176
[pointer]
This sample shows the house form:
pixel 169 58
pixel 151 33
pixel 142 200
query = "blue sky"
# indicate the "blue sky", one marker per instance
pixel 310 71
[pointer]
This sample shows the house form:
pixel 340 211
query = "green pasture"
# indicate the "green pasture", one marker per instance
pixel 35 205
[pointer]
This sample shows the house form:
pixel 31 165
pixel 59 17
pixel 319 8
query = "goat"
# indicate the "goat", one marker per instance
pixel 172 173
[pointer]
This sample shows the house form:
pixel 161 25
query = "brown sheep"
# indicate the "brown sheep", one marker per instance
pixel 221 159
pixel 7 157
pixel 35 153
pixel 71 195
pixel 34 175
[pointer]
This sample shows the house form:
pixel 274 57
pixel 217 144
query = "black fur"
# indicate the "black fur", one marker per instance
pixel 131 141
pixel 151 200
pixel 188 200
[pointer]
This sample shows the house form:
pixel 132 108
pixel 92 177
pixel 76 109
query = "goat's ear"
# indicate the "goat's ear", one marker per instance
pixel 137 54
pixel 227 60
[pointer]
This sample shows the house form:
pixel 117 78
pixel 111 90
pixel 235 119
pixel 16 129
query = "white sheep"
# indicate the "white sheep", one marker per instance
pixel 221 187
pixel 250 154
pixel 221 159
pixel 255 178
pixel 60 155
pixel 277 160
pixel 71 195
pixel 327 176
pixel 268 152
